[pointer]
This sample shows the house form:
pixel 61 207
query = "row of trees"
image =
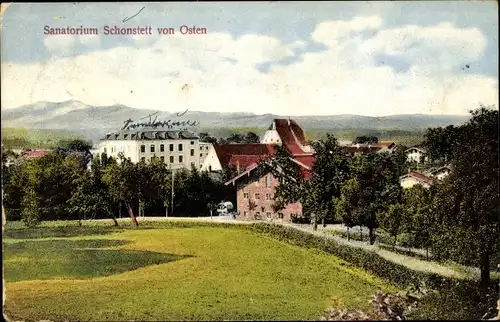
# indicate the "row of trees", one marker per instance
pixel 60 186
pixel 248 138
pixel 457 218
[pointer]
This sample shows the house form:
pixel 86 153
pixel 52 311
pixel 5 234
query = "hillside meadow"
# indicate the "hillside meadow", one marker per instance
pixel 174 273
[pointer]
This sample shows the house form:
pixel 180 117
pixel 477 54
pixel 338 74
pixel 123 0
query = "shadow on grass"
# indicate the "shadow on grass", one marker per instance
pixel 48 232
pixel 75 259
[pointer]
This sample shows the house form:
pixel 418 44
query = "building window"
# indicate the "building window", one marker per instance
pixel 193 164
pixel 268 214
pixel 192 142
pixel 143 159
pixel 162 147
pixel 206 147
pixel 180 147
pixel 245 195
pixel 280 215
pixel 180 158
pixel 268 196
pixel 192 152
pixel 201 155
pixel 268 180
pixel 257 196
pixel 171 159
pixel 143 148
pixel 171 147
pixel 105 150
pixel 152 148
pixel 162 158
pixel 201 148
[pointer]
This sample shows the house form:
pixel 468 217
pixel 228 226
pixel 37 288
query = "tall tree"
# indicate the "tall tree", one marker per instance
pixel 92 196
pixel 440 143
pixel 345 206
pixel 394 220
pixel 418 200
pixel 123 188
pixel 467 205
pixel 378 187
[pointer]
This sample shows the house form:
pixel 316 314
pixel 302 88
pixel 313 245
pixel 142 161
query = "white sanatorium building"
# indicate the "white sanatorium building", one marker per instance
pixel 177 148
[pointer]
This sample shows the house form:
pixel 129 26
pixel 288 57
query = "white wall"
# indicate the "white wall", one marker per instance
pixel 211 162
pixel 193 152
pixel 409 182
pixel 415 156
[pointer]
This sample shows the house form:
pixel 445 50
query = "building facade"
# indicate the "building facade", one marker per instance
pixel 177 148
pixel 415 154
pixel 255 198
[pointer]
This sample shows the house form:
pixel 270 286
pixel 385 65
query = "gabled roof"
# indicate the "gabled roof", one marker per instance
pixel 305 164
pixel 227 151
pixel 419 176
pixel 244 161
pixel 417 148
pixel 434 171
pixel 291 135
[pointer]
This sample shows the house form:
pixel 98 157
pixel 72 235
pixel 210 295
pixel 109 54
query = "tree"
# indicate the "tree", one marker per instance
pixel 366 139
pixel 345 205
pixel 30 205
pixel 77 147
pixel 467 205
pixel 378 187
pixel 418 201
pixel 205 137
pixel 251 137
pixel 440 143
pixel 393 220
pixel 92 195
pixel 317 194
pixel 121 181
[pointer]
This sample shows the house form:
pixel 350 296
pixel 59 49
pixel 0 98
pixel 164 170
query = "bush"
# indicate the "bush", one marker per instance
pixel 464 293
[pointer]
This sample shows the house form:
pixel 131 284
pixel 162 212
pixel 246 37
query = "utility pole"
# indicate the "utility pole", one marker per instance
pixel 172 195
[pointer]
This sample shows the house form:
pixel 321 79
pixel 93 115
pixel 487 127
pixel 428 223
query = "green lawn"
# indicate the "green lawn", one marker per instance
pixel 174 274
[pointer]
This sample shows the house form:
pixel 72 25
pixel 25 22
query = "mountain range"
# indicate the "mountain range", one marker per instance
pixel 95 121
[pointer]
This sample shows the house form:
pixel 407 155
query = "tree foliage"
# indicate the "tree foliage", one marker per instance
pixel 466 205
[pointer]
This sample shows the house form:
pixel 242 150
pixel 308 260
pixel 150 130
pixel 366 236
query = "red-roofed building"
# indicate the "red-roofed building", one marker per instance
pixel 414 178
pixel 222 156
pixel 281 132
pixel 255 193
pixel 289 134
pixel 33 154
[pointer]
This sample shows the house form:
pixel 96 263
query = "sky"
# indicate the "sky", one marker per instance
pixel 295 58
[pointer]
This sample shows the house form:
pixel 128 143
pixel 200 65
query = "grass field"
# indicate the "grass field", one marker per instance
pixel 202 273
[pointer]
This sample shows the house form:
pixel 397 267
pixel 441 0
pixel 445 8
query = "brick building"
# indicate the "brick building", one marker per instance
pixel 256 189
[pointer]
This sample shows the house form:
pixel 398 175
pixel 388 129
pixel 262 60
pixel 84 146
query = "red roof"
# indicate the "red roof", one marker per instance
pixel 35 153
pixel 305 162
pixel 291 135
pixel 226 151
pixel 421 177
pixel 244 161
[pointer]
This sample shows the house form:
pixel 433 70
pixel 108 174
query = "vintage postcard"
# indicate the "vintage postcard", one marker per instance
pixel 236 161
